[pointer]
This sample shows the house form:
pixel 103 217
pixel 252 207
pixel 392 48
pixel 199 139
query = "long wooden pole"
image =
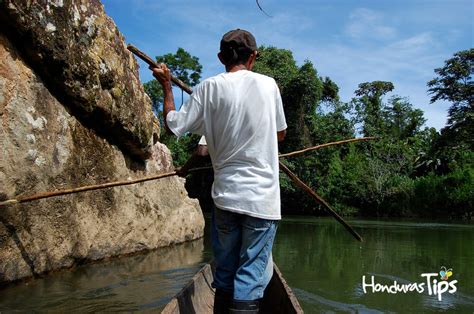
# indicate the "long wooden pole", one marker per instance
pixel 352 140
pixel 153 64
pixel 93 187
pixel 150 178
pixel 319 199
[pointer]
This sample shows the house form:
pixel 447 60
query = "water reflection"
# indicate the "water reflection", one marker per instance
pixel 319 301
pixel 318 258
pixel 324 264
pixel 138 282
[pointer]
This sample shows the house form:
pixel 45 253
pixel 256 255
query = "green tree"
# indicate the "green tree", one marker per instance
pixel 388 166
pixel 454 83
pixel 188 69
pixel 277 63
pixel 182 65
pixel 330 91
pixel 369 105
pixel 401 121
pixel 449 195
pixel 374 90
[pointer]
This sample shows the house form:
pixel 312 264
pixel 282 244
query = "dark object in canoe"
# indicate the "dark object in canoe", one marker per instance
pixel 198 296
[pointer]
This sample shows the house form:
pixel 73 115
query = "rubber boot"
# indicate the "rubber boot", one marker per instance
pixel 247 307
pixel 222 301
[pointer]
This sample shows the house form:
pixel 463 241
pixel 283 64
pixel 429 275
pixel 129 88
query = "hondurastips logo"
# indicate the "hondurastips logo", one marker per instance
pixel 429 284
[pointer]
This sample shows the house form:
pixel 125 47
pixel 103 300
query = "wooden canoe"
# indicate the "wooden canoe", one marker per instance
pixel 197 296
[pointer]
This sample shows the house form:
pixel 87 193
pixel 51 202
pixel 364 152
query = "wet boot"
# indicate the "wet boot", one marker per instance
pixel 247 307
pixel 222 301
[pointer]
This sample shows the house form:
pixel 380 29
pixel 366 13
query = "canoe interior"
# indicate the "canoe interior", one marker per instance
pixel 197 296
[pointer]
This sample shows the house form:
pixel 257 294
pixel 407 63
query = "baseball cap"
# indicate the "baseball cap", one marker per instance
pixel 238 39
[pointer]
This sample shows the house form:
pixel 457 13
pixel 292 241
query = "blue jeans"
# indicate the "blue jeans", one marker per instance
pixel 242 248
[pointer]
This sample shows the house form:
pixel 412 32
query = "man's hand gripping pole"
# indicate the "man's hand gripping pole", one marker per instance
pixel 153 64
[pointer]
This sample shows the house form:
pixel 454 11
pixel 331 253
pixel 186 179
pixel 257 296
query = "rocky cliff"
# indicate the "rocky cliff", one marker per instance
pixel 72 113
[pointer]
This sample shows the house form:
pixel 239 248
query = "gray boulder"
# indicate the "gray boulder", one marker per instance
pixel 72 113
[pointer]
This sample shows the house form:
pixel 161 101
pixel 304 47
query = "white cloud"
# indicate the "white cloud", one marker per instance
pixel 407 62
pixel 414 43
pixel 366 23
pixel 351 45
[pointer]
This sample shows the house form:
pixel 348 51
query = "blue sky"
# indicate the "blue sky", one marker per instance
pixel 350 41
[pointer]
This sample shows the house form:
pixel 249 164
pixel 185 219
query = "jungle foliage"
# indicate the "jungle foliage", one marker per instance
pixel 410 170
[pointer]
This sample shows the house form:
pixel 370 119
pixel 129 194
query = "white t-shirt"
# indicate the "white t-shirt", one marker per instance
pixel 239 113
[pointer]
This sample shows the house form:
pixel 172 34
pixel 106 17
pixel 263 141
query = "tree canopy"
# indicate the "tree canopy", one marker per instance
pixel 183 66
pixel 455 84
pixel 369 105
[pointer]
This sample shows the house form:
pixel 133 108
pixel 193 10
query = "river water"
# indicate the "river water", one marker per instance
pixel 320 260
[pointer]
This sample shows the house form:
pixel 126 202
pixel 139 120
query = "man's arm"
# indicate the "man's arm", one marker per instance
pixel 200 156
pixel 163 75
pixel 281 135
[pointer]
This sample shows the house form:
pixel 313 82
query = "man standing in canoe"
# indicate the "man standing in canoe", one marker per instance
pixel 240 113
